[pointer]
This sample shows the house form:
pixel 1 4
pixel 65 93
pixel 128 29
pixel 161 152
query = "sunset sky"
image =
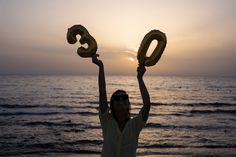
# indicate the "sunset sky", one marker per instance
pixel 201 36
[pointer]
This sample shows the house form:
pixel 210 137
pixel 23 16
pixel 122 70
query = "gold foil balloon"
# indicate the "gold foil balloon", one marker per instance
pixel 85 38
pixel 156 54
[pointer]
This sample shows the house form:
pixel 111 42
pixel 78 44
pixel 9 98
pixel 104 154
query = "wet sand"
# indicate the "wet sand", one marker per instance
pixel 91 155
pixel 98 155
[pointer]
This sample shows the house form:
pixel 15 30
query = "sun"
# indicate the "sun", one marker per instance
pixel 131 59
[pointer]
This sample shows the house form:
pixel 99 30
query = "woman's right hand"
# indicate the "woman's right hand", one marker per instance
pixel 96 61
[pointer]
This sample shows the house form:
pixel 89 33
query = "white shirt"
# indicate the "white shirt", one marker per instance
pixel 117 143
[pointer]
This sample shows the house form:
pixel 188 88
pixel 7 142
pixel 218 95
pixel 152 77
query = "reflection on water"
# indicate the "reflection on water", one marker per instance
pixel 189 116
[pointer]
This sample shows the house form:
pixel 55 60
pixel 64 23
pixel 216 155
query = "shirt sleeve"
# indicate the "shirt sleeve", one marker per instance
pixel 139 122
pixel 104 117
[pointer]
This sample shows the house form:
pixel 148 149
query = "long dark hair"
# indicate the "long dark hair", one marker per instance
pixel 112 102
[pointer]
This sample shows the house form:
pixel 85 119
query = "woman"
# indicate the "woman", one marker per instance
pixel 120 131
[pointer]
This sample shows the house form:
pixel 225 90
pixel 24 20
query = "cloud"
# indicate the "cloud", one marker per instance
pixel 114 52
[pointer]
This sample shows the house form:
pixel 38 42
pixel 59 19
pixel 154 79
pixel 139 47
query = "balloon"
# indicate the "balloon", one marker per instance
pixel 156 54
pixel 85 38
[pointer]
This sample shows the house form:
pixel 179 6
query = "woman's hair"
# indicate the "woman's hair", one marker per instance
pixel 112 102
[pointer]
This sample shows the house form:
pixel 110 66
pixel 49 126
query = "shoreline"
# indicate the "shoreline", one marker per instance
pixel 85 155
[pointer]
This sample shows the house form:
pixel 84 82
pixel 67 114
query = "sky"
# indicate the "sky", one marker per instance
pixel 201 36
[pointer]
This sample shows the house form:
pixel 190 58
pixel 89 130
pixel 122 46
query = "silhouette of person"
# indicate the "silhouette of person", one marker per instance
pixel 120 131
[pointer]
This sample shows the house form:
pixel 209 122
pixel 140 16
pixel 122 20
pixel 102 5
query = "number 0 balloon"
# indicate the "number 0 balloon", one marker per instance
pixel 145 44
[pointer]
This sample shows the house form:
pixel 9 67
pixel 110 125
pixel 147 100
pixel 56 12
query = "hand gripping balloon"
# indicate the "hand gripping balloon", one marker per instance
pixel 156 55
pixel 85 38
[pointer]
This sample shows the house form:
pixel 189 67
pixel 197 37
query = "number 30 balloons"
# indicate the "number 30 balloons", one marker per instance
pixel 141 56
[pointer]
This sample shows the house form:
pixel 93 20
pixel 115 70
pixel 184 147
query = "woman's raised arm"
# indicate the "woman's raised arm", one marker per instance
pixel 144 92
pixel 103 105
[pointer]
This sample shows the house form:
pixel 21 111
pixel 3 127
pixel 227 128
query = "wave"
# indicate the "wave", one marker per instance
pixel 47 113
pixel 65 127
pixel 215 104
pixel 217 111
pixel 93 142
pixel 8 85
pixel 221 87
pixel 49 147
pixel 65 124
pixel 165 145
pixel 73 130
pixel 187 127
pixel 45 150
pixel 188 113
pixel 10 106
pixel 162 146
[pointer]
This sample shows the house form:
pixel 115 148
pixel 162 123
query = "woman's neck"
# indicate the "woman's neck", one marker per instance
pixel 122 123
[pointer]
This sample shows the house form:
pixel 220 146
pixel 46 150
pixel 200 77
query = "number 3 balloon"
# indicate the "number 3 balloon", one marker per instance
pixel 85 38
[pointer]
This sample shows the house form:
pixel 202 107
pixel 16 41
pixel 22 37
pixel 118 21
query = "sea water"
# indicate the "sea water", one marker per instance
pixel 189 116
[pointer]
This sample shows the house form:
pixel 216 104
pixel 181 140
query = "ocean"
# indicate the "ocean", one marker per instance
pixel 45 115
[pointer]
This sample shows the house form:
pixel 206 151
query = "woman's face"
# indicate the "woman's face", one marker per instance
pixel 121 106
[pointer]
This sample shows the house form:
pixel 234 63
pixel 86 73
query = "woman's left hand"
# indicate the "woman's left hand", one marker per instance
pixel 140 71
